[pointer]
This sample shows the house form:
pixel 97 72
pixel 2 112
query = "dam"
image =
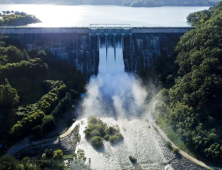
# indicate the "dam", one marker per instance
pixel 141 46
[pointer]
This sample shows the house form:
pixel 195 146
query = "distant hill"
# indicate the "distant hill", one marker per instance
pixel 133 3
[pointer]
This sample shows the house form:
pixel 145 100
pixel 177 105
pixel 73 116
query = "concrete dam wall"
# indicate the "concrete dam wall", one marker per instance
pixel 80 46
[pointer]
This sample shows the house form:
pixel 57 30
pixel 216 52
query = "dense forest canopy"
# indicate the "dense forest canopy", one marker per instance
pixel 35 91
pixel 11 18
pixel 194 102
pixel 134 3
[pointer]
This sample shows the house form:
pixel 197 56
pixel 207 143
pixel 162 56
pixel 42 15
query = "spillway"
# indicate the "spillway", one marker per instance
pixel 80 48
pixel 118 99
pixel 110 56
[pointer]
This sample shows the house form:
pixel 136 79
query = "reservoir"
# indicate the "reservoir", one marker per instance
pixel 84 15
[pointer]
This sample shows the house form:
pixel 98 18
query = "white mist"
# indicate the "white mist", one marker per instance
pixel 117 98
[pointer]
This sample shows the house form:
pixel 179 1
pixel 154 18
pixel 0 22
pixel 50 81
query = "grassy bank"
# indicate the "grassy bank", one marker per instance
pixel 177 140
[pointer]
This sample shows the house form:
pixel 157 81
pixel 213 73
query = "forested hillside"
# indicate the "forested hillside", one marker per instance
pixel 9 18
pixel 133 3
pixel 36 89
pixel 193 105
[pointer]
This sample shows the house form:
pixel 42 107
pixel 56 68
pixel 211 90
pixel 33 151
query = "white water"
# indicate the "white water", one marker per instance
pixel 111 59
pixel 117 98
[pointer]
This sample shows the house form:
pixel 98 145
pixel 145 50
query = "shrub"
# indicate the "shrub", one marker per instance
pixel 168 144
pixel 95 128
pixel 176 150
pixel 111 130
pixel 58 154
pixel 132 159
pixel 97 142
pixel 106 137
pixel 48 123
pixel 87 132
pixel 101 128
pixel 116 138
pixel 49 153
pixel 94 133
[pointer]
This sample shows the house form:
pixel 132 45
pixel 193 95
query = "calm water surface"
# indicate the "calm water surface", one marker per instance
pixel 82 16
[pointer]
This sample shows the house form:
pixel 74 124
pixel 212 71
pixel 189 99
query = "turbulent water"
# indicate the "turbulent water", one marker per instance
pixel 118 98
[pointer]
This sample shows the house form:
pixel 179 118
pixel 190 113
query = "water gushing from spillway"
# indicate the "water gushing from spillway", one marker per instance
pixel 118 98
pixel 111 56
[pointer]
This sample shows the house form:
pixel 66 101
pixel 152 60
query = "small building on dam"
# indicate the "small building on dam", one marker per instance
pixel 80 46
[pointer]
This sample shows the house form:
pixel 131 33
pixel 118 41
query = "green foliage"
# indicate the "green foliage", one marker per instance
pixel 144 3
pixel 96 142
pixel 94 133
pixel 25 126
pixel 18 19
pixel 42 55
pixel 8 162
pixel 140 3
pixel 168 144
pixel 8 95
pixel 193 104
pixel 201 17
pixel 176 150
pixel 81 154
pixel 14 55
pixel 49 101
pixel 58 155
pixel 63 105
pixel 96 128
pixel 132 159
pixel 37 85
pixel 29 69
pixel 112 130
pixel 79 161
pixel 116 138
pixel 106 137
pixel 48 153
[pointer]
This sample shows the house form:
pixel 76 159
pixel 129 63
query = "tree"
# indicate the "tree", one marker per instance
pixel 58 154
pixel 8 162
pixel 195 98
pixel 13 54
pixel 8 95
pixel 97 142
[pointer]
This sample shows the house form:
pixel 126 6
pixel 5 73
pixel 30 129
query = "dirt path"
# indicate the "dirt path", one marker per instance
pixel 69 130
pixel 26 143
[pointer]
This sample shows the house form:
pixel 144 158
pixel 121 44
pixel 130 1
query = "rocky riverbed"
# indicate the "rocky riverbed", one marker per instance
pixel 67 144
pixel 176 162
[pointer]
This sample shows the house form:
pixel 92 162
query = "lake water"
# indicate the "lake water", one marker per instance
pixel 82 16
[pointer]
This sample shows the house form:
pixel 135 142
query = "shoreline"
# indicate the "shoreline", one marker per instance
pixel 63 141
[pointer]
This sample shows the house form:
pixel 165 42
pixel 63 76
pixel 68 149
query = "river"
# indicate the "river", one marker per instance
pixel 83 15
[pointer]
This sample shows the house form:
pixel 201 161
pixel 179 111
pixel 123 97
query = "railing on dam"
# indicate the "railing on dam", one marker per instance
pixel 161 29
pixel 94 29
pixel 110 29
